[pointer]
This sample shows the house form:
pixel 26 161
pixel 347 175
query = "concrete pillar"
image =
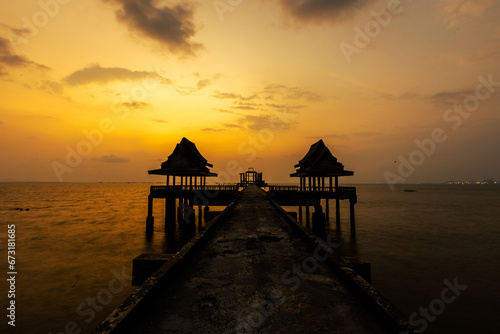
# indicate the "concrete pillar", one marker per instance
pixel 337 203
pixel 318 221
pixel 150 220
pixel 169 213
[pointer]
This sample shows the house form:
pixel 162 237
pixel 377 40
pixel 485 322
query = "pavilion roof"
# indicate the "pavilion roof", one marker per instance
pixel 185 160
pixel 319 161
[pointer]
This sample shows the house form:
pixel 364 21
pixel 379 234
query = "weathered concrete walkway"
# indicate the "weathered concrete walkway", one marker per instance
pixel 254 275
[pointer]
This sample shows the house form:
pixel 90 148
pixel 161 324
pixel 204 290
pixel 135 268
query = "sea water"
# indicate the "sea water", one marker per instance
pixel 75 245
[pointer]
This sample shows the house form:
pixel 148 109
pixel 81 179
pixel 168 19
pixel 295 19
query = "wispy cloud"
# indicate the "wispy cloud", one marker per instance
pixel 51 87
pixel 293 93
pixel 264 121
pixel 170 25
pixel 212 130
pixel 455 12
pixel 136 105
pixel 489 51
pixel 111 158
pixel 102 75
pixel 450 97
pixel 319 11
pixel 231 96
pixel 200 84
pixel 9 59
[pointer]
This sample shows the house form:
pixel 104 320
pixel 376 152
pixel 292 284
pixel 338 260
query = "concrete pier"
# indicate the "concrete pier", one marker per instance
pixel 255 273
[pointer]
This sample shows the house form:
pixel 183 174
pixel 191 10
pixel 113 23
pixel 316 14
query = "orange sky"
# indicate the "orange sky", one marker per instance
pixel 119 82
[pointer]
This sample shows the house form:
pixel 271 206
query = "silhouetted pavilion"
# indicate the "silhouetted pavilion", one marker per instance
pixel 186 163
pixel 251 176
pixel 318 166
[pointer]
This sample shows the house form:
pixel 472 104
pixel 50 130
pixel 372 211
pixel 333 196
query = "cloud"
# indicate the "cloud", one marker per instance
pixel 161 121
pixel 51 87
pixel 9 59
pixel 318 11
pixel 489 51
pixel 261 122
pixel 294 93
pixel 228 125
pixel 455 12
pixel 110 158
pixel 203 83
pixel 212 130
pixel 102 75
pixel 171 26
pixel 228 111
pixel 136 105
pixel 451 97
pixel 231 96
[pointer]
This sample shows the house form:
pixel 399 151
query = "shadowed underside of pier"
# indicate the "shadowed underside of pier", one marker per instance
pixel 241 267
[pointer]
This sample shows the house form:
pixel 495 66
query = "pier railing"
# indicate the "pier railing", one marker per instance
pixel 345 190
pixel 157 190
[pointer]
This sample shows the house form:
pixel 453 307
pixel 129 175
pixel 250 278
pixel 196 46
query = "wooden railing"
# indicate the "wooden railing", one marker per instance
pixel 221 187
pixel 344 190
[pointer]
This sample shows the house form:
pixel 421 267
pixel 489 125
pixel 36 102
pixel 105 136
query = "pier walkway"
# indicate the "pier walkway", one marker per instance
pixel 254 275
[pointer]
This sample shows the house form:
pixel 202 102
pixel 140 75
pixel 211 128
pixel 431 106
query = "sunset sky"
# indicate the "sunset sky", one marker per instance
pixel 103 90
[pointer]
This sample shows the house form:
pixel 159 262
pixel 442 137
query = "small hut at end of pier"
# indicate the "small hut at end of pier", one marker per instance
pixel 251 176
pixel 186 171
pixel 319 173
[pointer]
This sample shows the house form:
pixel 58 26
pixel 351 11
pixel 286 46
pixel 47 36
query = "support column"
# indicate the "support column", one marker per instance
pixel 170 214
pixel 318 220
pixel 337 203
pixel 300 213
pixel 150 219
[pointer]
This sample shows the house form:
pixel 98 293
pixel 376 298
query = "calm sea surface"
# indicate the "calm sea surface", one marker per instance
pixel 75 245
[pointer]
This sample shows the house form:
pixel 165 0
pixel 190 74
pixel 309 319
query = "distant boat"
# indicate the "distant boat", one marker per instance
pixel 410 190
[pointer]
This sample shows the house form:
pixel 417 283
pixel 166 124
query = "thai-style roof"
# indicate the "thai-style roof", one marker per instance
pixel 319 161
pixel 185 160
